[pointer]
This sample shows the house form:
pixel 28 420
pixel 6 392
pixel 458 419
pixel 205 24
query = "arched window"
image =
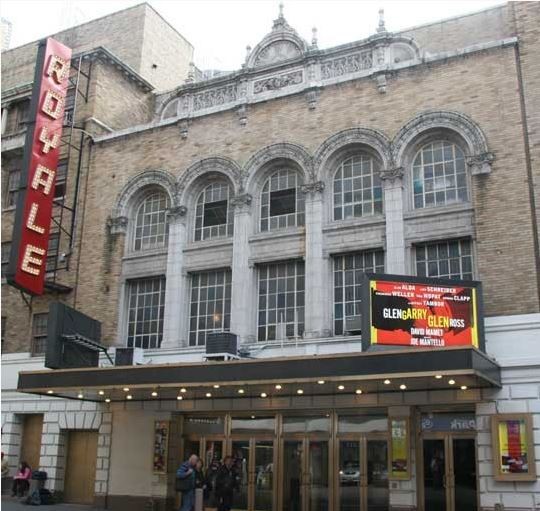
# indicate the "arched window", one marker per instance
pixel 439 176
pixel 357 188
pixel 213 218
pixel 282 203
pixel 150 222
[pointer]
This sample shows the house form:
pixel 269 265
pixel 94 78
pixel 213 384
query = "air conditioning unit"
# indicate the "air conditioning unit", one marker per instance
pixel 128 356
pixel 221 346
pixel 353 325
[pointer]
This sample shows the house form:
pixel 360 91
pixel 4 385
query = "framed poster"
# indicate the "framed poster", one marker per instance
pixel 513 448
pixel 399 459
pixel 161 446
pixel 421 312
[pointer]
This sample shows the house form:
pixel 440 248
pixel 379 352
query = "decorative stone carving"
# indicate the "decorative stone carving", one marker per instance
pixel 293 152
pixel 380 81
pixel 313 188
pixel 436 120
pixel 278 82
pixel 391 175
pixel 311 97
pixel 481 163
pixel 117 225
pixel 241 203
pixel 184 128
pixel 242 114
pixel 350 137
pixel 175 213
pixel 347 65
pixel 276 52
pixel 214 97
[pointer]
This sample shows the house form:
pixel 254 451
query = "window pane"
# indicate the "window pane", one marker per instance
pixel 438 167
pixel 282 204
pixel 210 308
pixel 146 303
pixel 350 269
pixel 150 223
pixel 213 218
pixel 447 259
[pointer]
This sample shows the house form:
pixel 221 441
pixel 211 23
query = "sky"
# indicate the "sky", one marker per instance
pixel 220 30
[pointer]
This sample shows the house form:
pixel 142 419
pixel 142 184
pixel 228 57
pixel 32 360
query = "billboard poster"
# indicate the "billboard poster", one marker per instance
pixel 30 239
pixel 513 449
pixel 399 449
pixel 161 446
pixel 411 311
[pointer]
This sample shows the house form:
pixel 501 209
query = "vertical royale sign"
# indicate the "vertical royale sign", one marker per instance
pixel 30 238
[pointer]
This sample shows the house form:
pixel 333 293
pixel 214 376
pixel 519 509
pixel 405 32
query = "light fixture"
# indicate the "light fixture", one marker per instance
pixel 464 387
pixel 253 416
pixel 101 392
pixel 241 391
pixel 179 398
pixel 451 382
pixel 438 376
pixel 50 392
pixel 208 394
pixel 387 382
pixel 129 396
pixel 299 391
pixel 341 387
pixel 154 394
pixel 278 387
pixel 321 382
pixel 264 394
pixel 126 389
pixel 183 390
pixel 80 396
pixel 107 400
pixel 403 386
pixel 359 391
pixel 216 386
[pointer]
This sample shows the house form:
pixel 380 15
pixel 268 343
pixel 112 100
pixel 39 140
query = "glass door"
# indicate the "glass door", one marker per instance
pixel 212 457
pixel 264 475
pixel 317 475
pixel 292 475
pixel 464 469
pixel 349 475
pixel 449 473
pixel 241 469
pixel 378 495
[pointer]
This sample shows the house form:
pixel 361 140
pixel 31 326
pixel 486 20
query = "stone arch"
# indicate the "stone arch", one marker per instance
pixel 257 166
pixel 133 188
pixel 170 109
pixel 208 166
pixel 453 122
pixel 333 147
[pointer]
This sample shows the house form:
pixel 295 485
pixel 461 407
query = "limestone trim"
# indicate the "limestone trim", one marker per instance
pixel 133 188
pixel 455 122
pixel 258 163
pixel 209 166
pixel 333 147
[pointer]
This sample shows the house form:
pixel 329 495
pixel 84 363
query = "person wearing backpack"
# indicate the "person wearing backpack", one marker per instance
pixel 185 482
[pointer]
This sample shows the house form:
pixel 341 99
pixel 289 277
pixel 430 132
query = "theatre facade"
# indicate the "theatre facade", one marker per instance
pixel 242 231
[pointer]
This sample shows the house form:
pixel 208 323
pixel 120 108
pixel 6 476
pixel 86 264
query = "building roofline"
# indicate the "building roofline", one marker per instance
pixel 168 23
pixel 136 6
pixel 452 18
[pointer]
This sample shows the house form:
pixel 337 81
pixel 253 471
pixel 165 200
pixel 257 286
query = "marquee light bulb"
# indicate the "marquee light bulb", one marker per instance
pixel 278 387
pixel 452 382
pixel 299 391
pixel 241 391
pixel 208 394
pixel 341 387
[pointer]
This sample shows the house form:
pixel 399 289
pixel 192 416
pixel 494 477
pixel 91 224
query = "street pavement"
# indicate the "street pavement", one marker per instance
pixel 10 504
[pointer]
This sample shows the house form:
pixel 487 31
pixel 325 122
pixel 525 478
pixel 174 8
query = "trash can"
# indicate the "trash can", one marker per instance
pixel 38 494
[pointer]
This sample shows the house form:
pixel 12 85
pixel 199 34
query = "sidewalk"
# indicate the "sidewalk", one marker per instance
pixel 11 504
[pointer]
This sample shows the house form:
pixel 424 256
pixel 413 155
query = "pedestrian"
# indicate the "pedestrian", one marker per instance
pixel 5 466
pixel 21 481
pixel 225 485
pixel 185 482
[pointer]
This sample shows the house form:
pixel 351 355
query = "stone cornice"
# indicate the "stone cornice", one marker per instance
pixel 370 58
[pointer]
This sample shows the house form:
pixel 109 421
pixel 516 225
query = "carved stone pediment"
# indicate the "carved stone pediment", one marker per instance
pixel 276 52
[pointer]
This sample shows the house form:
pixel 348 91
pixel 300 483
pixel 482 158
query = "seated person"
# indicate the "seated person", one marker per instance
pixel 21 481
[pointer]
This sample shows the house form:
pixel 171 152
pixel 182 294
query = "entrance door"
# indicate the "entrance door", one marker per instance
pixel 31 440
pixel 305 475
pixel 81 467
pixel 363 475
pixel 449 473
pixel 254 471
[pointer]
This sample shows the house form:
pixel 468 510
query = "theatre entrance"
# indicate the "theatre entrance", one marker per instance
pixel 324 462
pixel 448 468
